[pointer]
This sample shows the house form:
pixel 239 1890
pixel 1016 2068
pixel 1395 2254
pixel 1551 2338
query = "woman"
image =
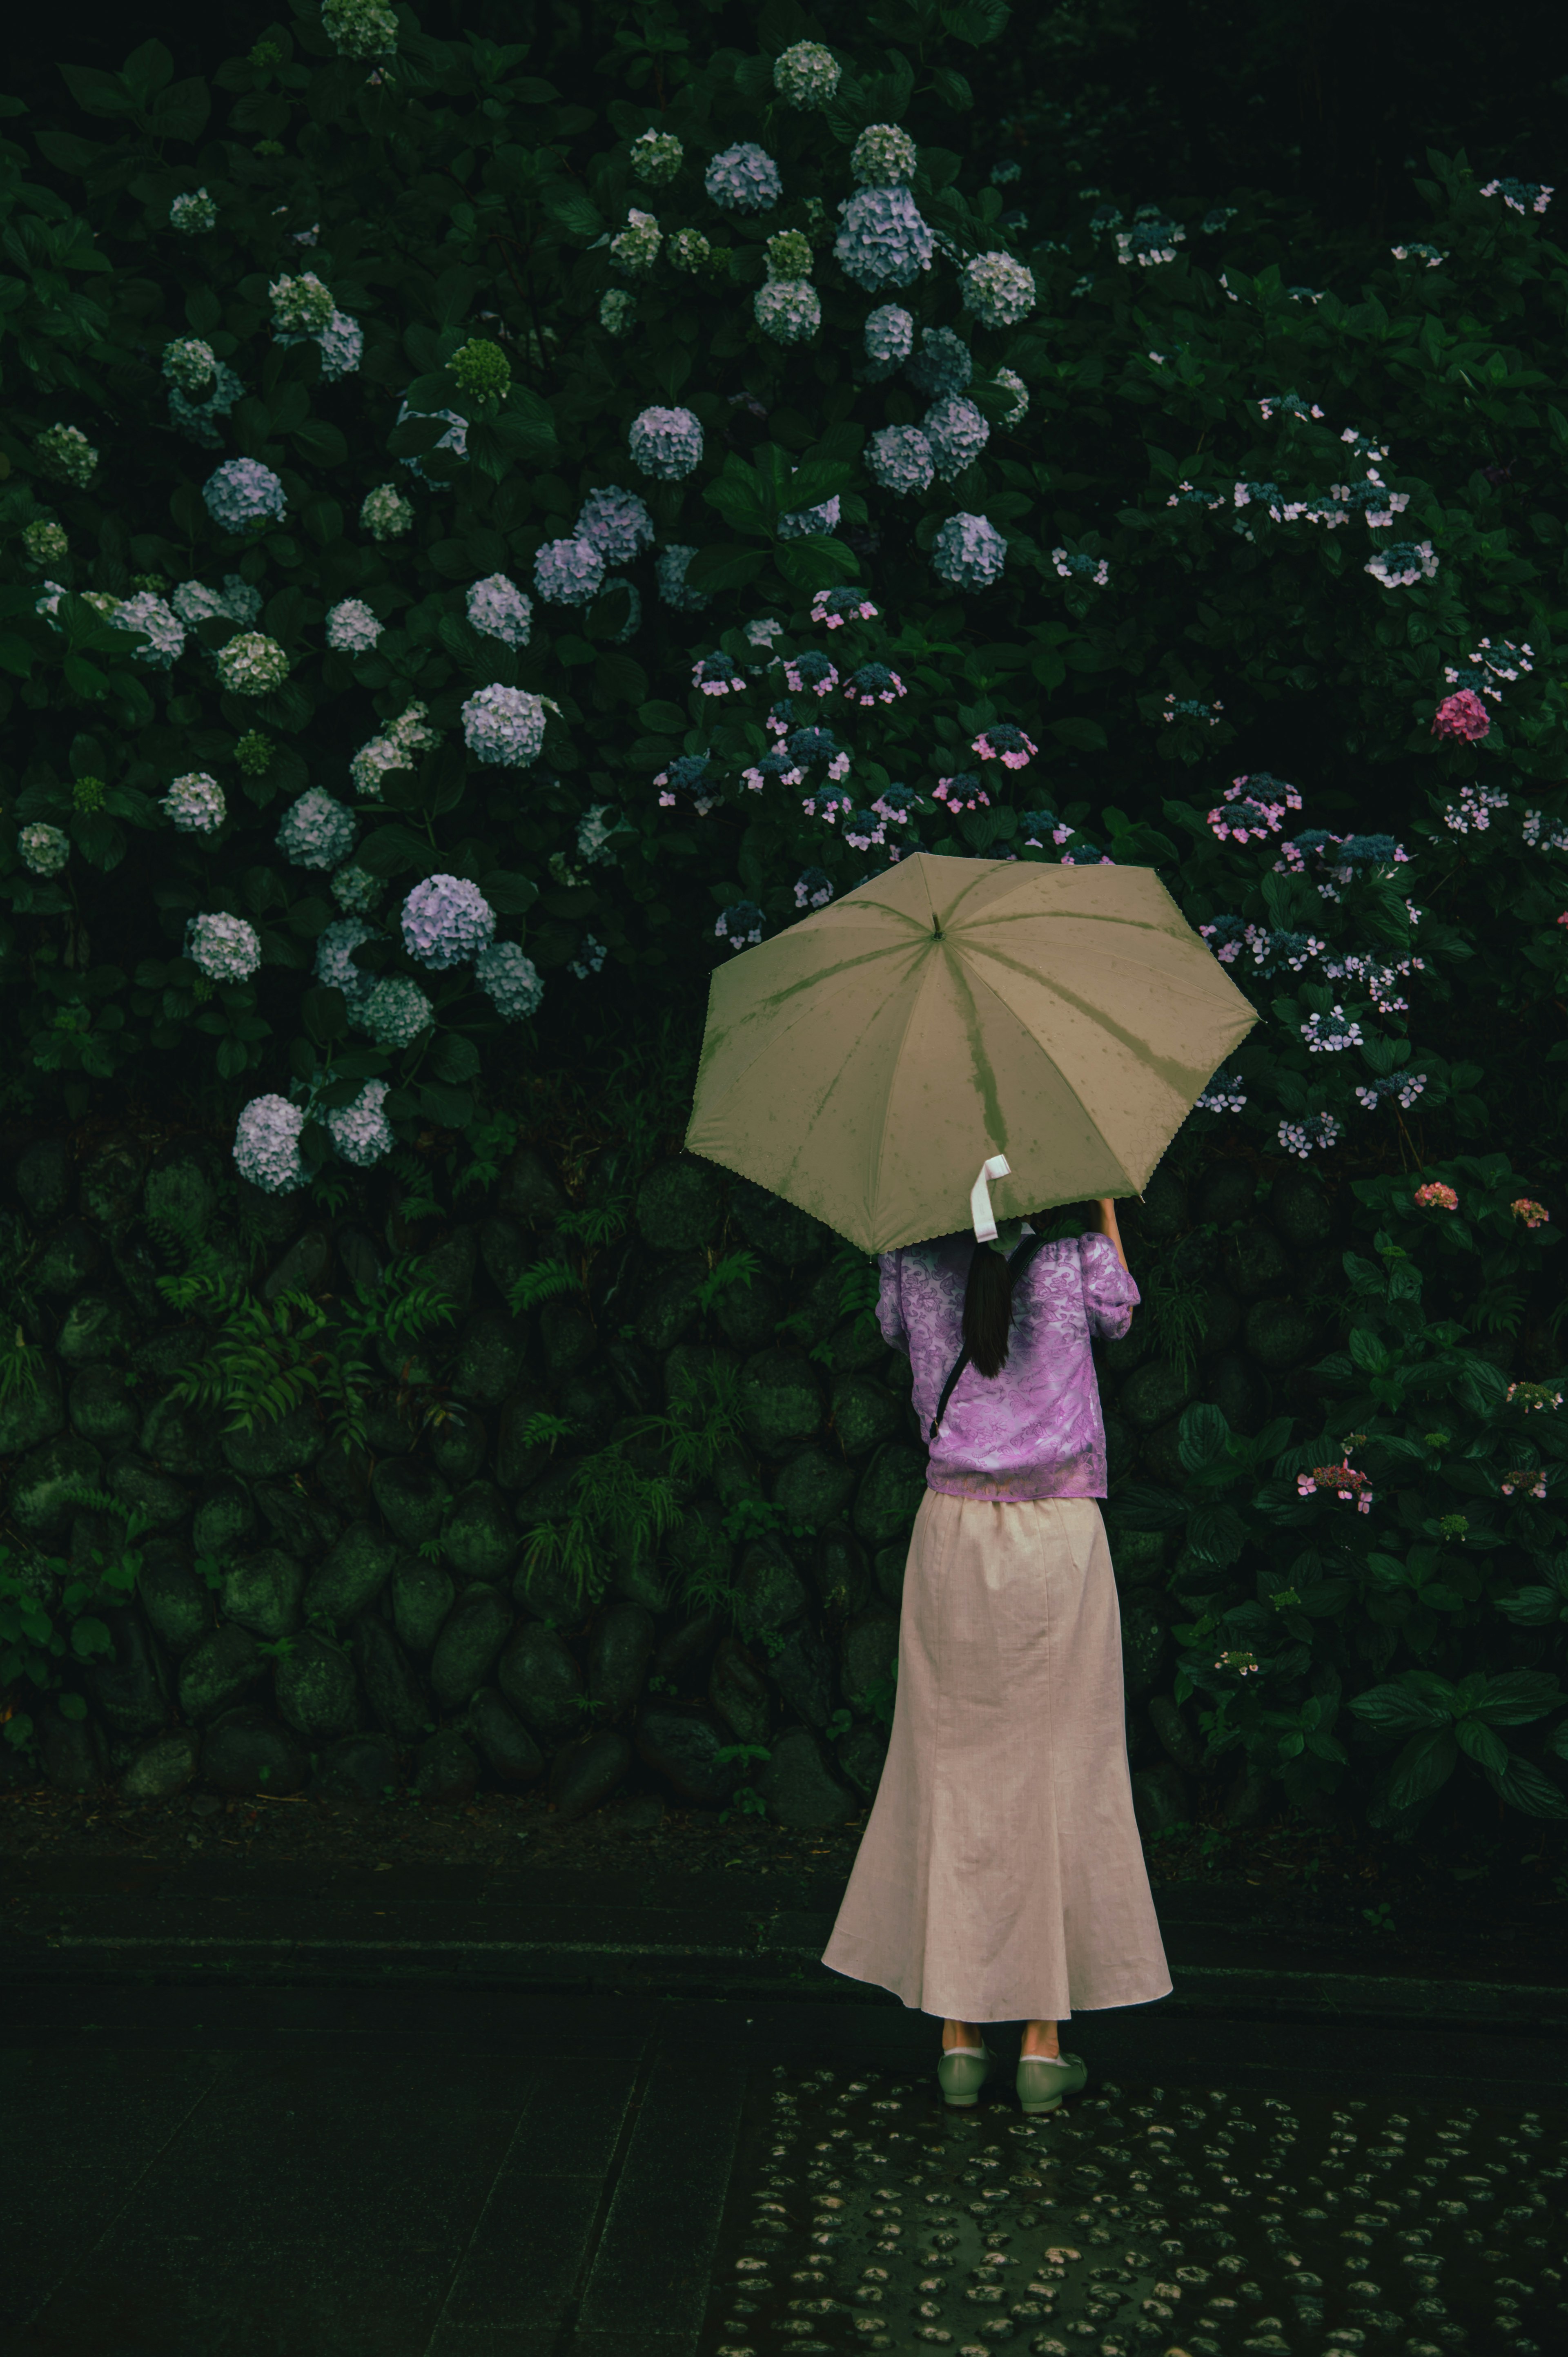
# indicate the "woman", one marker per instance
pixel 1000 1876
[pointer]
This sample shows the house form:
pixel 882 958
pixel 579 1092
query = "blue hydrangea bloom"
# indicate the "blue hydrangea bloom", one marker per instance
pixel 446 921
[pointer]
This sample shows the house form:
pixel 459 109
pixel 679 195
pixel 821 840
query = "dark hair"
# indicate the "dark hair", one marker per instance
pixel 987 1311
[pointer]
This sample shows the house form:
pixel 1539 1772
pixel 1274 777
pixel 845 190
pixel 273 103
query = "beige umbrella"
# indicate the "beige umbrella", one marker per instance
pixel 864 1064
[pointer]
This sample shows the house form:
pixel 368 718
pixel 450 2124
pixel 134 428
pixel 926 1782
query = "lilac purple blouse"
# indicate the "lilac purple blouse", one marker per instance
pixel 1036 1430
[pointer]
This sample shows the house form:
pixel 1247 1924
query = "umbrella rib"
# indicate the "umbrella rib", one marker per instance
pixel 1141 1047
pixel 970 984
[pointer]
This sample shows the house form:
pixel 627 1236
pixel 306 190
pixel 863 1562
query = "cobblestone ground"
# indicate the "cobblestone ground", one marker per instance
pixel 863 2214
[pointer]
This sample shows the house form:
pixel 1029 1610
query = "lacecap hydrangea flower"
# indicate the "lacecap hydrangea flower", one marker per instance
pixel 814 888
pixel 884 241
pixel 241 494
pixel 357 891
pixel 656 157
pixel 805 75
pixel 164 635
pixel 568 572
pixel 45 544
pixel 385 514
pixel 670 571
pixel 352 628
pixel 266 1145
pixel 334 965
pixel 616 523
pixel 446 921
pixel 969 553
pixel 65 453
pixel 744 179
pixel 956 433
pixel 998 290
pixel 510 981
pixel 1403 562
pixel 589 959
pixel 195 215
pixel 884 157
pixel 226 949
pixel 315 831
pixel 890 335
pixel 195 804
pixel 504 725
pixel 635 249
pixel 787 310
pixel 499 608
pixel 942 365
pixel 360 28
pixel 199 420
pixel 901 459
pixel 189 363
pixel 251 665
pixel 360 1130
pixel 44 849
pixel 395 1012
pixel 666 443
pixel 740 925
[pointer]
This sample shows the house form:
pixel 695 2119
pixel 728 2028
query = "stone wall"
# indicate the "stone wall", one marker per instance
pixel 421 1655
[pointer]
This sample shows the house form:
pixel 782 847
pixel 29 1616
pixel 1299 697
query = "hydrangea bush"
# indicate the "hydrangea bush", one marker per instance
pixel 458 663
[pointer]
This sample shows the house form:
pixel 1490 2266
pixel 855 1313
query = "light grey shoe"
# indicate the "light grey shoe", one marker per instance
pixel 1043 2079
pixel 962 2073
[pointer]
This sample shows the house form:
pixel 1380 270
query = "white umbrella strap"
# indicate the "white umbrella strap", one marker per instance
pixel 979 1211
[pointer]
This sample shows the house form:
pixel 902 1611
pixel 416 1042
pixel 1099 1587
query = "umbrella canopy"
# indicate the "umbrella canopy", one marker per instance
pixel 865 1063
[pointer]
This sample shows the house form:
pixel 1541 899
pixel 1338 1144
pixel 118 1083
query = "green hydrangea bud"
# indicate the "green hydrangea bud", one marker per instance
pixel 788 254
pixel 360 28
pixel 616 312
pixel 806 75
pixel 89 793
pixel 301 307
pixel 482 369
pixel 190 363
pixel 46 544
pixel 690 251
pixel 253 753
pixel 636 248
pixel 65 452
pixel 656 157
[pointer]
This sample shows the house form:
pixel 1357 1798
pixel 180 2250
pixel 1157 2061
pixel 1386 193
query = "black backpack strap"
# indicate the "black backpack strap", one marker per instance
pixel 1017 1262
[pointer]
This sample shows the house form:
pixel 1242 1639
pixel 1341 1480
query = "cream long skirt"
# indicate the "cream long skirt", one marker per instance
pixel 1000 1876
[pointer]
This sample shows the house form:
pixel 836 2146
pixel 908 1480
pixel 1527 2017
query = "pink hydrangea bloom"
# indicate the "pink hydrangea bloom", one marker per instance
pixel 1533 1214
pixel 1463 716
pixel 1436 1196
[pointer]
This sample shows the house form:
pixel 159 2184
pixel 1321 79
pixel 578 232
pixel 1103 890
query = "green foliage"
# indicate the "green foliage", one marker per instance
pixel 21 1370
pixel 613 1507
pixel 731 1275
pixel 51 1613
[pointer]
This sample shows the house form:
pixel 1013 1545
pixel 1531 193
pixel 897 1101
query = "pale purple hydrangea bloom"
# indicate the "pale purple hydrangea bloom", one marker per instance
pixel 956 433
pixel 315 831
pixel 1226 1092
pixel 146 612
pixel 334 966
pixel 504 725
pixel 787 310
pixel 241 493
pixel 616 523
pixel 195 804
pixel 822 518
pixel 198 420
pixel 884 241
pixel 942 365
pixel 901 461
pixel 888 335
pixel 395 1012
pixel 814 888
pixel 969 553
pixel 352 627
pixel 360 1131
pixel 357 891
pixel 670 571
pixel 744 179
pixel 499 608
pixel 238 601
pixel 266 1145
pixel 251 665
pixel 510 981
pixel 568 572
pixel 666 443
pixel 998 290
pixel 1308 1131
pixel 446 921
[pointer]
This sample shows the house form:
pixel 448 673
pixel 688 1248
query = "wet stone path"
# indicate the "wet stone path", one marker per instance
pixel 863 2214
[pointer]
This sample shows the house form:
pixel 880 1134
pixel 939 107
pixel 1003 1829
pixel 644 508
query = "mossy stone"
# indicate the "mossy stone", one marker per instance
pixel 568 1335
pixel 164 1501
pixel 458 1446
pixel 781 1400
pixel 619 1649
pixel 489 1358
pixel 1278 1333
pixel 841 1574
pixel 162 1767
pixel 305 1267
pixel 680 1204
pixel 292 1445
pixel 474 1632
pixel 128 1686
pixel 449 1268
pixel 738 1692
pixel 218 1670
pixel 263 1593
pixel 747 1314
pixel 318 1693
pixel 668 1307
pixel 865 1415
pixel 43 1177
pixel 769 1586
pixel 1221 1320
pixel 861 1755
pixel 412 1497
pixel 101 1409
pixel 391 1426
pixel 1301 1210
pixel 681 1742
pixel 391 1689
pixel 178 1198
pixel 422 1593
pixel 43 1480
pixel 351 1576
pixel 584 1774
pixel 1159 1799
pixel 247 1751
pixel 97 1326
pixel 591 1406
pixel 1256 1263
pixel 889 1565
pixel 445 1772
pixel 65 1261
pixel 540 1677
pixel 692 1368
pixel 1226 1193
pixel 813 1488
pixel 529 1191
pixel 177 1604
pixel 641 1579
pixel 1119 1358
pixel 479 1536
pixel 1236 1387
pixel 355 1771
pixel 165 1355
pixel 181 1440
pixel 1161 1454
pixel 802 1669
pixel 296 1522
pixel 519 1460
pixel 34 1413
pixel 777 1228
pixel 868 1652
pixel 890 1492
pixel 1153 1391
pixel 504 1253
pixel 510 1751
pixel 801 1790
pixel 855 1344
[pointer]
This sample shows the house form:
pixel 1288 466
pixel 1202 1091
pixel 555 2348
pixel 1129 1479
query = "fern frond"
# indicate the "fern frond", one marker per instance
pixel 543 1282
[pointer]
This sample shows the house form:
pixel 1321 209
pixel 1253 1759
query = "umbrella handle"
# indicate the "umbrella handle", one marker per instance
pixel 979 1211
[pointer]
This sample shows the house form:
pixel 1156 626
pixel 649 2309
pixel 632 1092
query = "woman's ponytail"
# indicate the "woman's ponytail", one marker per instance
pixel 987 1311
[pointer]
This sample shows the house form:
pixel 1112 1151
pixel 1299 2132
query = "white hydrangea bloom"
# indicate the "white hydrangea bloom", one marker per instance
pixel 656 157
pixel 568 572
pixel 824 517
pixel 998 290
pixel 357 891
pixel 241 494
pixel 956 433
pixel 510 981
pixel 315 831
pixel 302 305
pixel 504 726
pixel 455 439
pixel 884 157
pixel 44 849
pixel 969 552
pixel 166 638
pixel 806 75
pixel 666 443
pixel 352 628
pixel 884 241
pixel 901 461
pixel 251 665
pixel 360 28
pixel 340 342
pixel 446 921
pixel 199 420
pixel 194 215
pixel 65 452
pixel 226 949
pixel 498 608
pixel 635 249
pixel 189 363
pixel 633 607
pixel 616 523
pixel 266 1145
pixel 335 967
pixel 385 514
pixel 360 1131
pixel 1010 382
pixel 890 335
pixel 744 179
pixel 669 572
pixel 787 310
pixel 618 309
pixel 396 1012
pixel 195 804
